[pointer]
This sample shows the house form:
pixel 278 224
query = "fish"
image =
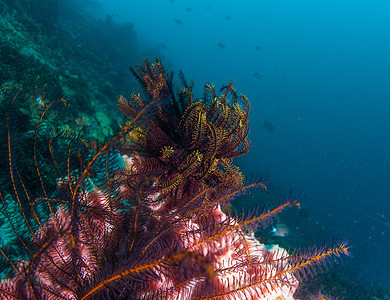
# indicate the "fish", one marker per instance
pixel 178 21
pixel 280 230
pixel 269 126
pixel 221 45
pixel 258 75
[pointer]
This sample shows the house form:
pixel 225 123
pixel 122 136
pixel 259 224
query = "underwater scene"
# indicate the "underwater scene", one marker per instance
pixel 192 149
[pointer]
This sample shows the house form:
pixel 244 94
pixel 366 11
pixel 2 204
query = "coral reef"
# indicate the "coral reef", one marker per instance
pixel 139 217
pixel 56 48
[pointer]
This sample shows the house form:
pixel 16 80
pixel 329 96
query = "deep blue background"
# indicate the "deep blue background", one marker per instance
pixel 323 82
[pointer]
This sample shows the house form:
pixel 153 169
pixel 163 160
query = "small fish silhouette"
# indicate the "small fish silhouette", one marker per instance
pixel 178 21
pixel 280 230
pixel 258 75
pixel 221 45
pixel 269 126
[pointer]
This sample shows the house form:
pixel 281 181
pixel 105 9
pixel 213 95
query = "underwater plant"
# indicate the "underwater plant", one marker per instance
pixel 139 217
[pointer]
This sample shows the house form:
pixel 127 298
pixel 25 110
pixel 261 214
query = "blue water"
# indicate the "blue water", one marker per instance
pixel 319 72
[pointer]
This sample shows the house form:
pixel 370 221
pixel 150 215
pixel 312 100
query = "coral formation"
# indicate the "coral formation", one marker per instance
pixel 139 217
pixel 42 49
